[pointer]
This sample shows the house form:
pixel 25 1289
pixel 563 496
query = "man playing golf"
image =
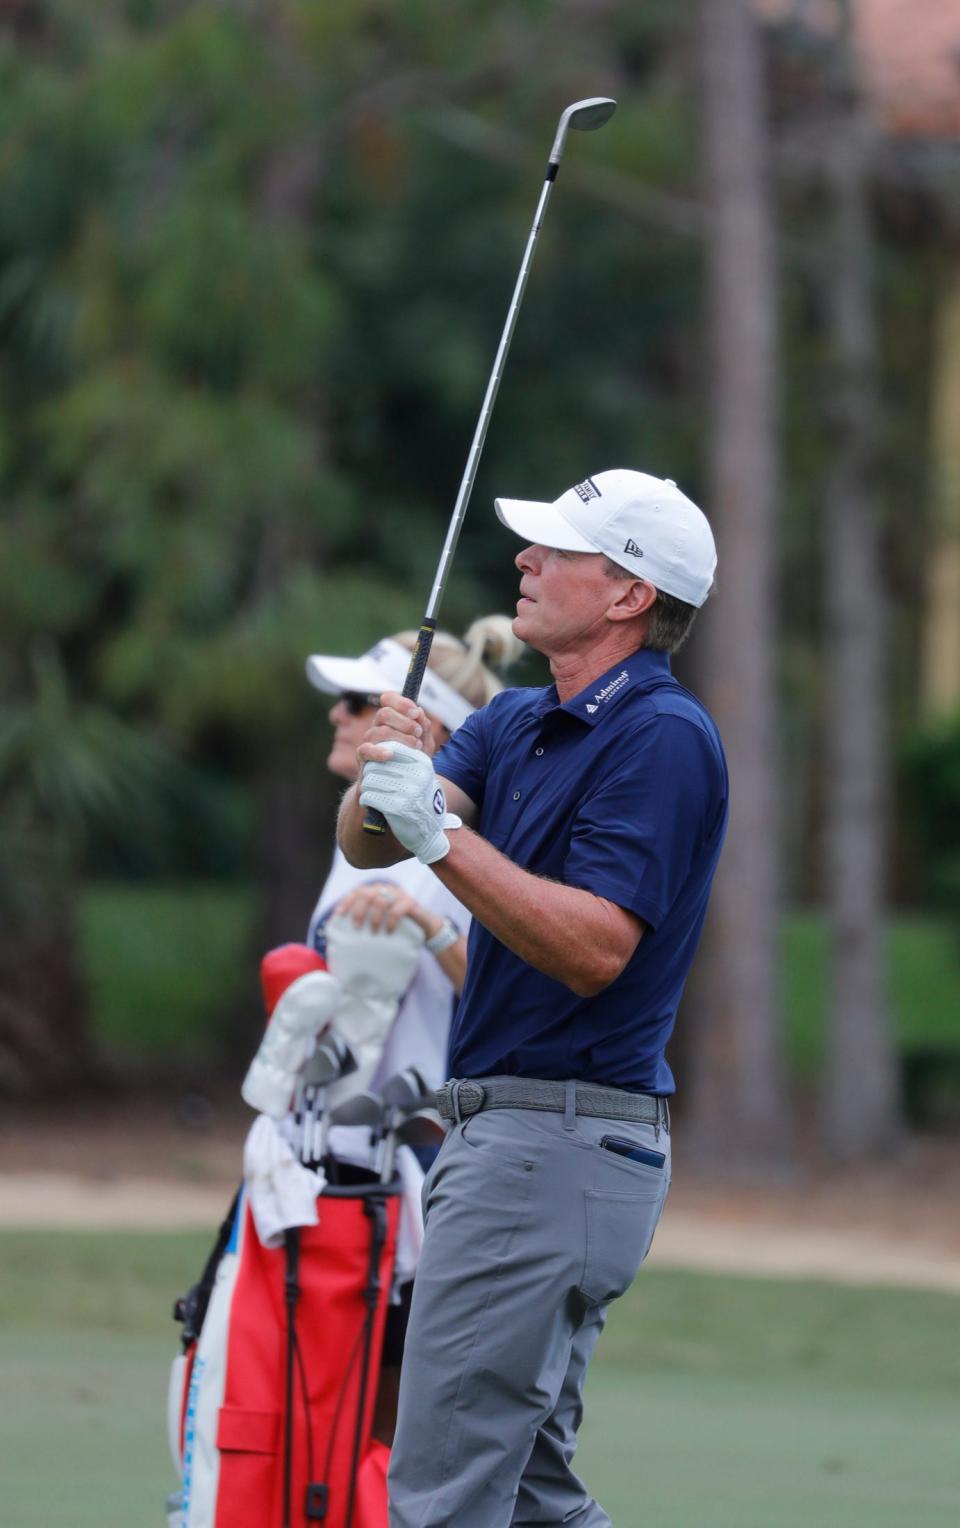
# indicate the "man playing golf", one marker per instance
pixel 581 824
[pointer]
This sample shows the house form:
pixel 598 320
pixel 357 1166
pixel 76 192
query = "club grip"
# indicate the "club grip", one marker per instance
pixel 374 822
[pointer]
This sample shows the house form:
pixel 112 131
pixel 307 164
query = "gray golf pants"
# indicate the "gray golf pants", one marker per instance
pixel 532 1228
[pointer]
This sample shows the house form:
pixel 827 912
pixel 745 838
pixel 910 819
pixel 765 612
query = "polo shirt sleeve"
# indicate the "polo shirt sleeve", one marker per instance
pixel 636 835
pixel 463 757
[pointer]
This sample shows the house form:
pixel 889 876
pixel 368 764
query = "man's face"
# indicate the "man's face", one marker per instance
pixel 563 600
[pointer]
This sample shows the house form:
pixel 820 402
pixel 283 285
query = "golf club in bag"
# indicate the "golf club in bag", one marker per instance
pixel 585 116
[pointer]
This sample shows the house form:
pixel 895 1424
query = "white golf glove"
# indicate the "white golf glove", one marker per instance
pixel 301 1012
pixel 406 790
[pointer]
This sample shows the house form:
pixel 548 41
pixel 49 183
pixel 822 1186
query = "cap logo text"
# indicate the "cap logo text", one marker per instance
pixel 587 490
pixel 633 549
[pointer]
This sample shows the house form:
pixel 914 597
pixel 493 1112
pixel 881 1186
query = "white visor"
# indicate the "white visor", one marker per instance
pixel 385 667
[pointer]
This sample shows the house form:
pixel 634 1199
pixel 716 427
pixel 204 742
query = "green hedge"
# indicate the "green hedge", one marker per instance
pixel 924 973
pixel 166 964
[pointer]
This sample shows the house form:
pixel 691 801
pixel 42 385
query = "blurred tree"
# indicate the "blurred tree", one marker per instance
pixel 247 305
pixel 737 1069
pixel 861 1113
pixel 253 263
pixel 940 668
pixel 66 772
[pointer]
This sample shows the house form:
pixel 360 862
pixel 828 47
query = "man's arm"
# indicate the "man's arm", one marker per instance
pixel 581 940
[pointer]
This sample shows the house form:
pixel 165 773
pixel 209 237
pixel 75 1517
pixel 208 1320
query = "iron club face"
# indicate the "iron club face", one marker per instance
pixel 406 1091
pixel 331 1060
pixel 585 116
pixel 592 113
pixel 362 1108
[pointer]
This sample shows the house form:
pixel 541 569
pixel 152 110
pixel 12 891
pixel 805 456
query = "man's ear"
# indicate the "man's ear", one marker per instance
pixel 635 596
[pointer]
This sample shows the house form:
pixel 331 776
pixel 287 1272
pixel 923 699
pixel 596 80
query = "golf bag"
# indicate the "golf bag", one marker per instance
pixel 271 1401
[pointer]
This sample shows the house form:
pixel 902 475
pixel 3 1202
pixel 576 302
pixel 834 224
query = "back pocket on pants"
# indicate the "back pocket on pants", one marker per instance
pixel 620 1229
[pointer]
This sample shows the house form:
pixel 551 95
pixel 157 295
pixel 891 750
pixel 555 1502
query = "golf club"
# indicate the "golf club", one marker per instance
pixel 348 1064
pixel 585 116
pixel 414 1130
pixel 331 1060
pixel 406 1090
pixel 363 1108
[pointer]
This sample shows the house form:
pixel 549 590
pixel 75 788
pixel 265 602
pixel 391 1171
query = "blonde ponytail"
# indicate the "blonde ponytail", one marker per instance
pixel 467 666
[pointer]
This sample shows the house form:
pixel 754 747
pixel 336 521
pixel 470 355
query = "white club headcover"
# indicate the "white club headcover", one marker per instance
pixel 374 969
pixel 301 1012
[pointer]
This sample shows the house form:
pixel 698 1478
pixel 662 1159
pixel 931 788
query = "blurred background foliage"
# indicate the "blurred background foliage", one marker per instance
pixel 254 259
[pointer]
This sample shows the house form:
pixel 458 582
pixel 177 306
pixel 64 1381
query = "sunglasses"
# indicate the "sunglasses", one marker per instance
pixel 355 704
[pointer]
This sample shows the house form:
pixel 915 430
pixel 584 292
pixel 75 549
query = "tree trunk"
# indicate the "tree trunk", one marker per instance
pixel 860 1111
pixel 940 658
pixel 738 1085
pixel 295 801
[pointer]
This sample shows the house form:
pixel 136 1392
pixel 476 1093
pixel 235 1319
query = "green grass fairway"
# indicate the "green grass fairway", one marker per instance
pixel 713 1401
pixel 741 1403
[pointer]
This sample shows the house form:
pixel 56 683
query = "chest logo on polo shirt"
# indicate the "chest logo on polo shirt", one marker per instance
pixel 591 708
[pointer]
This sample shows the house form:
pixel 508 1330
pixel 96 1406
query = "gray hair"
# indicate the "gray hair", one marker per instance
pixel 671 619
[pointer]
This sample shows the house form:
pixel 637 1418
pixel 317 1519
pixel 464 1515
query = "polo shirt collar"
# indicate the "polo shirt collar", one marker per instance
pixel 638 672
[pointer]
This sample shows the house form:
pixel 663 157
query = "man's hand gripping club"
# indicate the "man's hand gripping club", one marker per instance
pixel 397 777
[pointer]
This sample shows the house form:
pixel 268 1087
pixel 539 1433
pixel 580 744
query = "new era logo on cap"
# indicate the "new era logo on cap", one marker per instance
pixel 633 549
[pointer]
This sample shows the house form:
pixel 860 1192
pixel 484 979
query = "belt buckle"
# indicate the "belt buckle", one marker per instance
pixel 472 1104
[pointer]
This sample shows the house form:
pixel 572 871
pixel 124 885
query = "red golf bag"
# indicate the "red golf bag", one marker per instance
pixel 271 1403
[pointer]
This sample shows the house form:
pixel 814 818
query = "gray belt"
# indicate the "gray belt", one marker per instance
pixel 458 1099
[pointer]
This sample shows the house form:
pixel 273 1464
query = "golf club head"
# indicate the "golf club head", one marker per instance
pixel 586 116
pixel 331 1060
pixel 406 1090
pixel 420 1130
pixel 360 1109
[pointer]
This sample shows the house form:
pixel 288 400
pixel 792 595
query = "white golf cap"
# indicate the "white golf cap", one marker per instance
pixel 643 523
pixel 384 667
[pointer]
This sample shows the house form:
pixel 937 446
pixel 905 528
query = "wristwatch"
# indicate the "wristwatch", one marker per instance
pixel 446 935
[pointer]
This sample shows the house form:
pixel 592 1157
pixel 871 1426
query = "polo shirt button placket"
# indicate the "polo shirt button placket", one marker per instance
pixel 538 752
pixel 516 795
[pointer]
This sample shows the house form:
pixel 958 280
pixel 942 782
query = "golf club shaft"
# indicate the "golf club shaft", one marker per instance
pixel 374 822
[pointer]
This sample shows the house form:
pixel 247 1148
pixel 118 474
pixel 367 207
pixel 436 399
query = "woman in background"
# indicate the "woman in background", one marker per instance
pixel 458 680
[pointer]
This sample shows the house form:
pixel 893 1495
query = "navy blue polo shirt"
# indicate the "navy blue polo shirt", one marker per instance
pixel 621 791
